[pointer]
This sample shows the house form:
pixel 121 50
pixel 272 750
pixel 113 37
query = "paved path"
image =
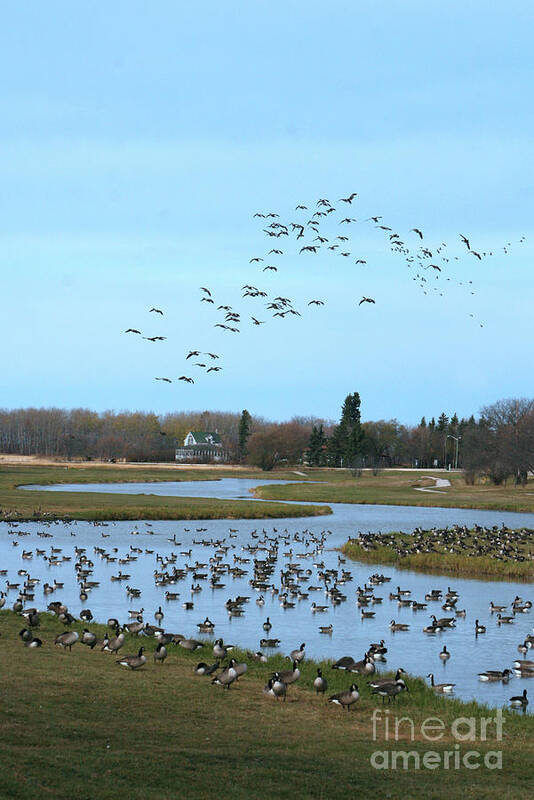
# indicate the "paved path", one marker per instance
pixel 438 482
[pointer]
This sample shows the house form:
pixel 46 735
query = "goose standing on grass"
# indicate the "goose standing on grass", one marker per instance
pixel 376 683
pixel 227 676
pixel 66 639
pixel 389 689
pixel 115 644
pixel 88 638
pixel 519 701
pixel 345 699
pixel 298 654
pixel 133 662
pixel 440 688
pixel 276 687
pixel 320 684
pixel 221 650
pixel 160 653
pixel 290 676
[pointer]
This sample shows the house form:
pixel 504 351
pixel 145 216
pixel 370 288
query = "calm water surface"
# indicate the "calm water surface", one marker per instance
pixel 416 652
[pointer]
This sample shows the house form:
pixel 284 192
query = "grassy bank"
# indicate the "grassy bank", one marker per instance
pixel 394 550
pixel 398 487
pixel 78 725
pixel 17 504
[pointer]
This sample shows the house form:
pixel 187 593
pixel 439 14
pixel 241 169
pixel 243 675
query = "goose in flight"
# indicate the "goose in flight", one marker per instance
pixel 133 330
pixel 167 380
pixel 203 288
pixel 316 303
pixel 348 199
pixel 366 300
pixel 157 310
pixel 418 232
pixel 185 378
pixel 465 240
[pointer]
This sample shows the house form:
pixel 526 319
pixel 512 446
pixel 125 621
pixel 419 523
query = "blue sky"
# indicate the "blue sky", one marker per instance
pixel 139 139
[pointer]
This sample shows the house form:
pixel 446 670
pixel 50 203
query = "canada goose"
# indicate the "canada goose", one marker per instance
pixel 290 676
pixel 320 684
pixel 378 682
pixel 276 687
pixel 35 642
pixel 524 664
pixel 206 669
pixel 86 614
pixel 298 655
pixel 190 644
pixel 398 626
pixel 205 627
pixel 479 628
pixel 221 650
pixel 112 623
pixel 444 622
pixel 389 689
pixel 267 625
pixel 18 606
pixel 326 629
pixel 66 639
pixel 227 676
pixel 240 669
pixel 133 662
pixel 88 638
pixel 115 644
pixel 83 595
pixel 504 620
pixel 440 688
pixel 367 614
pixel 258 656
pixel 494 608
pixel 345 699
pixel 444 655
pixel 346 663
pixel 495 675
pixel 519 701
pixel 318 609
pixel 158 615
pixel 269 642
pixel 26 635
pixel 135 627
pixel 160 653
pixel 523 648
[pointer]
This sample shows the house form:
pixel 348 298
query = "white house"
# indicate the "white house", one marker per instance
pixel 201 446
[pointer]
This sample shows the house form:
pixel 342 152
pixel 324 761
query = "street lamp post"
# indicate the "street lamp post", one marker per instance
pixel 457 439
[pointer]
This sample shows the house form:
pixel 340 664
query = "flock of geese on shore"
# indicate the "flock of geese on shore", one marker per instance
pixel 298 579
pixel 320 230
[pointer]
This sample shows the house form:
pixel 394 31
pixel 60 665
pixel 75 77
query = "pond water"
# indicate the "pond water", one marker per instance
pixel 413 650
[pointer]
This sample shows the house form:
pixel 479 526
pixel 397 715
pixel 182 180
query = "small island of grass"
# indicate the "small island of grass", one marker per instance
pixel 477 552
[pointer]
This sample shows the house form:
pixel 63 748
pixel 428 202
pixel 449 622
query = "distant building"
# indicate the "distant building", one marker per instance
pixel 201 447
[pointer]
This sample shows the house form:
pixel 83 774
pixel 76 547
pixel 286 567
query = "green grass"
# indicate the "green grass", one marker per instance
pixel 78 725
pixel 397 487
pixel 20 504
pixel 383 550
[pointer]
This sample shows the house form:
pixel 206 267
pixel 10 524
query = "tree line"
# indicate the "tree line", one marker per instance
pixel 499 443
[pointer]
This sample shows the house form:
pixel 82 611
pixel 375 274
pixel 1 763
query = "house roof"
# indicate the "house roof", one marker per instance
pixel 201 437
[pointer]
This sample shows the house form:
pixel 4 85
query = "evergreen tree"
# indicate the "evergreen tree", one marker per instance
pixel 443 422
pixel 422 424
pixel 244 433
pixel 316 447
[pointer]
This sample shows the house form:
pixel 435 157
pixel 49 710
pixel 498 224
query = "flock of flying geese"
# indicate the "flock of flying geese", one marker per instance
pixel 277 564
pixel 322 231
